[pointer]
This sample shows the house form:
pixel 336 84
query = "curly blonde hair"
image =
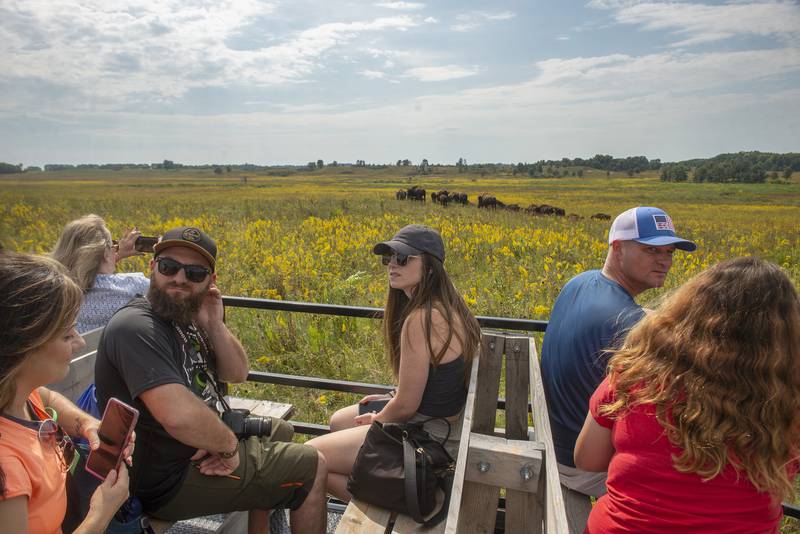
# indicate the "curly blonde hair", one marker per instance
pixel 720 360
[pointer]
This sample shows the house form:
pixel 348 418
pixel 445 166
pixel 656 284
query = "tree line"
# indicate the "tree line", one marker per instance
pixel 741 167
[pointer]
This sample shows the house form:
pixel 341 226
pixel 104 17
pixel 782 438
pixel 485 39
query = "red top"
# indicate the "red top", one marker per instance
pixel 646 494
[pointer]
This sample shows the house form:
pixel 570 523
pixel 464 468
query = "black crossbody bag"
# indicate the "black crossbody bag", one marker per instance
pixel 400 467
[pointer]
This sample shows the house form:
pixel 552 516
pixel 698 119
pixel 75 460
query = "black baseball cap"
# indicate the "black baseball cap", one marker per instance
pixel 189 237
pixel 413 240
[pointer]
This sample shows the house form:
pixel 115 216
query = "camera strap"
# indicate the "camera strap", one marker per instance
pixel 201 347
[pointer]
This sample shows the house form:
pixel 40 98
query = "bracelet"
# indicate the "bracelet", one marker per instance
pixel 228 455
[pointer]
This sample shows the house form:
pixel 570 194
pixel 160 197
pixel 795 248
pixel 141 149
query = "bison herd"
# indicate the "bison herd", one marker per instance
pixel 487 201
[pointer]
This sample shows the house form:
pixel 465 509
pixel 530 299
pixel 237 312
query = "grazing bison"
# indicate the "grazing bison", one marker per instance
pixel 513 207
pixel 459 198
pixel 601 217
pixel 400 195
pixel 416 193
pixel 442 197
pixel 545 209
pixel 487 201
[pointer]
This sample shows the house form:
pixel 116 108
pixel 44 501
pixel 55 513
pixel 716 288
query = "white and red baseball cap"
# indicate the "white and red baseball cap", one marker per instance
pixel 647 225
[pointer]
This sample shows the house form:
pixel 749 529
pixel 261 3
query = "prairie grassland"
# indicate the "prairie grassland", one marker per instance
pixel 309 236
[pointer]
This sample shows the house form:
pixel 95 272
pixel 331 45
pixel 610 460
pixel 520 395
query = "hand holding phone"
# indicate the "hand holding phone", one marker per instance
pixel 145 243
pixel 372 406
pixel 115 430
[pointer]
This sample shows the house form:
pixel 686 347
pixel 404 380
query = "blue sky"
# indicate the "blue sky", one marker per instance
pixel 271 82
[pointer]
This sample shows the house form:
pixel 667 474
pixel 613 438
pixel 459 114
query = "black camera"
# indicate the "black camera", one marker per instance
pixel 245 425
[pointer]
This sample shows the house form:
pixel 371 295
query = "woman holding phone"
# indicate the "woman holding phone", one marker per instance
pixel 697 422
pixel 38 306
pixel 430 338
pixel 85 248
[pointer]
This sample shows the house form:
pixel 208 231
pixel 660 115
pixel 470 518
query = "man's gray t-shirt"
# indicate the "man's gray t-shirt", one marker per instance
pixel 139 351
pixel 592 313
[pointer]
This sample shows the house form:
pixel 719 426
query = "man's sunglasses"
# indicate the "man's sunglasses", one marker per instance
pixel 51 434
pixel 400 259
pixel 170 267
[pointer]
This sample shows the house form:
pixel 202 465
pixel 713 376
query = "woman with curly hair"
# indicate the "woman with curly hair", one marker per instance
pixel 698 419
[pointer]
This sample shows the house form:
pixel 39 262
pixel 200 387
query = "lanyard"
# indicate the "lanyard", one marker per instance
pixel 201 347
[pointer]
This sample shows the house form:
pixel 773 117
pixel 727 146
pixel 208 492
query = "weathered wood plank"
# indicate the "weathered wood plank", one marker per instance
pixel 555 514
pixel 79 377
pixel 478 508
pixel 517 391
pixel 510 464
pixel 406 525
pixel 522 509
pixel 264 408
pixel 479 502
pixel 461 462
pixel 363 518
pixel 488 384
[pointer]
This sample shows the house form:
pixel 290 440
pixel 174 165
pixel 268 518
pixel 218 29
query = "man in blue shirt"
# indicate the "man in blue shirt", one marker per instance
pixel 591 314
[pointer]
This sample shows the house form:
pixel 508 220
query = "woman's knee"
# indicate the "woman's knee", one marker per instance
pixel 344 418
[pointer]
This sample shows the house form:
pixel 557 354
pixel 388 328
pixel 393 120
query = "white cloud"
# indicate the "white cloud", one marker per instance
pixel 151 50
pixel 702 23
pixel 431 20
pixel 402 6
pixel 469 21
pixel 373 74
pixel 562 38
pixel 440 74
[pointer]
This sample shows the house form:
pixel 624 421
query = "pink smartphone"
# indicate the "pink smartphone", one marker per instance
pixel 116 427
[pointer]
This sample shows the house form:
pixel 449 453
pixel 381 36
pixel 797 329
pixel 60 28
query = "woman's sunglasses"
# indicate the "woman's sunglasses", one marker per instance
pixel 194 273
pixel 400 259
pixel 51 434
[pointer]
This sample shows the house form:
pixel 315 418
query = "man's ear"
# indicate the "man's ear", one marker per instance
pixel 214 278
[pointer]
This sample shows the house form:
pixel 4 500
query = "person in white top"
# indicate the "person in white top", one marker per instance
pixel 86 249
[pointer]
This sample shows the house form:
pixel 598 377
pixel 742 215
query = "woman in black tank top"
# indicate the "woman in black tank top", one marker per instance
pixel 430 338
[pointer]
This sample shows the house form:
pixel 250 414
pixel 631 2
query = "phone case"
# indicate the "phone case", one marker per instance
pixel 372 406
pixel 116 427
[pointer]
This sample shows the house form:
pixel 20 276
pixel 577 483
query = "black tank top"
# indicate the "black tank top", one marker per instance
pixel 445 392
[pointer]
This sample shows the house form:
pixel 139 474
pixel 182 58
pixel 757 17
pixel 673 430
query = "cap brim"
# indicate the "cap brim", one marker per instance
pixel 387 247
pixel 163 245
pixel 661 240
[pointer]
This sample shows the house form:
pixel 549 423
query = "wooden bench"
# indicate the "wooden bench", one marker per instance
pixel 521 461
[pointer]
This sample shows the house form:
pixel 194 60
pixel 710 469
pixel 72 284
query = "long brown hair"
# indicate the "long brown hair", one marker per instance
pixel 720 360
pixel 38 301
pixel 435 291
pixel 82 247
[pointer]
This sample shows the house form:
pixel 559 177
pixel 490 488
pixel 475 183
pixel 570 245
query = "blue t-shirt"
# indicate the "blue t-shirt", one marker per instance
pixel 592 313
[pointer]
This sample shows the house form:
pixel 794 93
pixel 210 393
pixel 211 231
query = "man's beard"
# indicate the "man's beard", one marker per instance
pixel 172 308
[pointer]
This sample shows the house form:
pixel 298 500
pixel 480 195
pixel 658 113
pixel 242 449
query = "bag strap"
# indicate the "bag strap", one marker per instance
pixel 412 472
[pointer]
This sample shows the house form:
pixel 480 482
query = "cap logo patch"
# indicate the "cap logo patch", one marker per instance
pixel 191 234
pixel 663 222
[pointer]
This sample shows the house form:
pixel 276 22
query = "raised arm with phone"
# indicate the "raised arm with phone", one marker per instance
pixel 87 249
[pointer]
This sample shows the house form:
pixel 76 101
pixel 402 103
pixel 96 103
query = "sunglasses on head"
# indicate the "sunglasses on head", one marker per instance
pixel 170 267
pixel 400 259
pixel 51 434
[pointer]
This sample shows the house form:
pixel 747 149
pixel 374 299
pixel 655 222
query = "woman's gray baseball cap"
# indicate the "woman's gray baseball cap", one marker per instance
pixel 413 240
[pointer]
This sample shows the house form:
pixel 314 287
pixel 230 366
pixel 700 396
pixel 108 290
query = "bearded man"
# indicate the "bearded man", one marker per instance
pixel 169 355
